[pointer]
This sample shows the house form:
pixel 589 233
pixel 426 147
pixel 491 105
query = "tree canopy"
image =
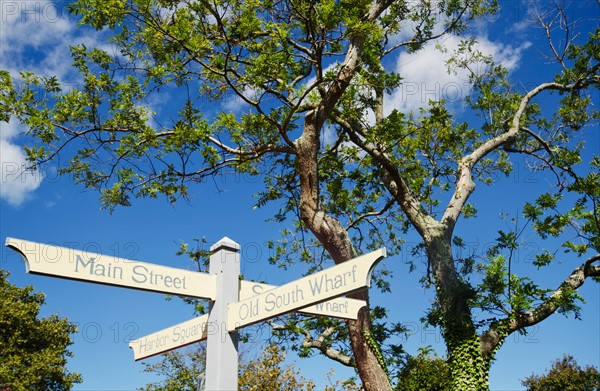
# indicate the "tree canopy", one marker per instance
pixel 565 375
pixel 424 372
pixel 301 93
pixel 33 350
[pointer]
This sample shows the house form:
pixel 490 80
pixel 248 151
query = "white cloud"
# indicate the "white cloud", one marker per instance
pixel 16 182
pixel 425 75
pixel 34 36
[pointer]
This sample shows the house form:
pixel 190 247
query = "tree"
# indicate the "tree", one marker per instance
pixel 302 70
pixel 33 353
pixel 565 375
pixel 181 371
pixel 267 372
pixel 424 372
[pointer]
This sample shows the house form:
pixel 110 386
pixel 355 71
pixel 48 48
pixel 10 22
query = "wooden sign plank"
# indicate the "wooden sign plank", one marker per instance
pixel 46 259
pixel 174 337
pixel 341 307
pixel 313 289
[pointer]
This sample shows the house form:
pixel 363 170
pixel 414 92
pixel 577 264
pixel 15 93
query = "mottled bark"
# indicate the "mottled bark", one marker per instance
pixel 328 230
pixel 372 374
pixel 332 234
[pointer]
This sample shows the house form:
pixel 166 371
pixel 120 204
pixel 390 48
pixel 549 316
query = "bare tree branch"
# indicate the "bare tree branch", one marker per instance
pixel 392 179
pixel 415 41
pixel 465 185
pixel 259 150
pixel 319 344
pixel 376 213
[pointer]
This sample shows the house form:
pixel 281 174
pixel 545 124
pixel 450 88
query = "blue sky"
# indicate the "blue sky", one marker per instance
pixel 43 207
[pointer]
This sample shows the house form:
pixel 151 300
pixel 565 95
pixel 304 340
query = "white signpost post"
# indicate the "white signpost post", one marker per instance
pixel 233 303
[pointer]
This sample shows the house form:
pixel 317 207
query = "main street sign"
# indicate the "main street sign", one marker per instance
pixel 315 288
pixel 74 264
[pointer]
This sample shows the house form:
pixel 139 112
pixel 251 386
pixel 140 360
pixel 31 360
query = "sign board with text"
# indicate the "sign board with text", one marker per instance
pixel 341 307
pixel 75 264
pixel 197 329
pixel 235 303
pixel 182 334
pixel 313 289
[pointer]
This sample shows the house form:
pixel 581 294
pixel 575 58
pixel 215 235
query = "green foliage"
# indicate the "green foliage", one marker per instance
pixel 565 375
pixel 424 372
pixel 550 220
pixel 257 52
pixel 267 372
pixel 181 371
pixel 33 354
pixel 247 81
pixel 469 369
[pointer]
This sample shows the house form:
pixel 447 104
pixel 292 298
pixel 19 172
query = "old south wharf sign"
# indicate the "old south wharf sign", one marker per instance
pixel 198 329
pixel 315 288
pixel 341 307
pixel 74 264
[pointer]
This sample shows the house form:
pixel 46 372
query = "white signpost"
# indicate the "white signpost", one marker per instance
pixel 233 303
pixel 198 329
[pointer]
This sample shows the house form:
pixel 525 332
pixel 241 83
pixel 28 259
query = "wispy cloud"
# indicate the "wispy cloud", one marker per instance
pixel 16 181
pixel 34 36
pixel 425 75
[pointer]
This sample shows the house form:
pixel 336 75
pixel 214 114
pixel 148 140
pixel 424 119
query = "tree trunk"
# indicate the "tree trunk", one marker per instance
pixel 334 238
pixel 370 363
pixel 468 364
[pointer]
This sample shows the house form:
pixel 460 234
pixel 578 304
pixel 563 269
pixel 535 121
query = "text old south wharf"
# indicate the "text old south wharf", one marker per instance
pixel 293 295
pixel 138 274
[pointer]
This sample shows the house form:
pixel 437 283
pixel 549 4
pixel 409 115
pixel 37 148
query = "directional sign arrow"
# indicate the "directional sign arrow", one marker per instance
pixel 341 307
pixel 174 337
pixel 197 329
pixel 74 264
pixel 315 288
